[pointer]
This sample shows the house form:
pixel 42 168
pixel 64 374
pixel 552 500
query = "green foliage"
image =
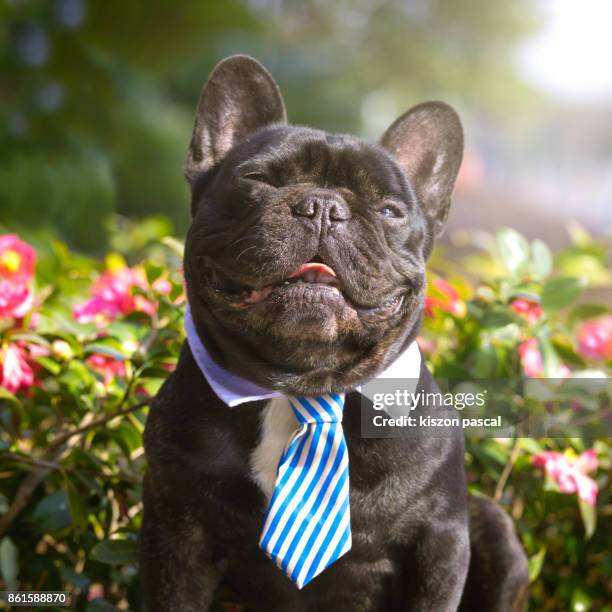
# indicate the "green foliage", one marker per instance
pixel 100 96
pixel 69 192
pixel 524 312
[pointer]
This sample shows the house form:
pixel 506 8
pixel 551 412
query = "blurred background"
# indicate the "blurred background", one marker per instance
pixel 98 98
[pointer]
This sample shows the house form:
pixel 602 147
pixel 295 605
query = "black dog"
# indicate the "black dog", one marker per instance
pixel 267 198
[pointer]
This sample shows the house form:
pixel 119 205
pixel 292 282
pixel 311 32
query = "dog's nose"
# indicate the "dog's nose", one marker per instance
pixel 308 207
pixel 338 210
pixel 324 209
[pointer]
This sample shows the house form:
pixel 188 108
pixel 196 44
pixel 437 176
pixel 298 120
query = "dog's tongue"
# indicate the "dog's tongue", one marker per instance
pixel 314 273
pixel 310 272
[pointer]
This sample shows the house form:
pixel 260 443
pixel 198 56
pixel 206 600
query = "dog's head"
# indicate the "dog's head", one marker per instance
pixel 305 259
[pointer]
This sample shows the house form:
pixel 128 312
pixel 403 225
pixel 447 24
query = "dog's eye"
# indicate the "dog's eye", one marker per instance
pixel 258 177
pixel 390 211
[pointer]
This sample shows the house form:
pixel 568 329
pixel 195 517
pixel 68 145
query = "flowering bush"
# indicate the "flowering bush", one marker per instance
pixel 85 345
pixel 525 315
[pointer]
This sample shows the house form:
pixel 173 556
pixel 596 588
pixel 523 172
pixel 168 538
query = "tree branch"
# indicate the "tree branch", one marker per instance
pixel 62 438
pixel 503 479
pixel 31 460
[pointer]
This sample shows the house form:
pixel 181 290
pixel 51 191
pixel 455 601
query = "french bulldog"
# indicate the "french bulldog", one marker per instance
pixel 305 275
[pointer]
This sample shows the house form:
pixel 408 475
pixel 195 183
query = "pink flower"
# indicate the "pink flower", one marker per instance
pixel 531 360
pixel 443 296
pixel 595 338
pixel 36 350
pixel 528 309
pixel 15 300
pixel 471 172
pixel 17 259
pixel 96 591
pixel 16 372
pixel 112 296
pixel 569 472
pixel 107 366
pixel 162 286
pixel 141 304
pixel 427 346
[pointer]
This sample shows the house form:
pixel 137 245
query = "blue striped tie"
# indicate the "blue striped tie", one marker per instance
pixel 308 521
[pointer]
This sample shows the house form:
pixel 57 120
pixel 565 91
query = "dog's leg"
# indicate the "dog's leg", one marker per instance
pixel 437 569
pixel 498 578
pixel 176 567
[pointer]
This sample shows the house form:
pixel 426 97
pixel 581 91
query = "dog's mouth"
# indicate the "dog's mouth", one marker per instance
pixel 311 283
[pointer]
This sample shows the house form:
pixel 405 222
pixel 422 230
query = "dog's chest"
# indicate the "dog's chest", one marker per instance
pixel 277 425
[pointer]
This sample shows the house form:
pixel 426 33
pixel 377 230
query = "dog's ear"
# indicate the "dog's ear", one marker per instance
pixel 239 97
pixel 427 141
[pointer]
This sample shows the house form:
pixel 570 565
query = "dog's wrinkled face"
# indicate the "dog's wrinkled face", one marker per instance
pixel 305 260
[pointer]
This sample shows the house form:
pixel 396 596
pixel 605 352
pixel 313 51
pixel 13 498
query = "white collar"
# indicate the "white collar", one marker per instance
pixel 234 390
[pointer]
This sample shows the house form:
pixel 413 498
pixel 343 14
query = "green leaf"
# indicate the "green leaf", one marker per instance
pixel 5 394
pixel 583 265
pixel 581 601
pixel 550 359
pixel 127 438
pixel 535 564
pixel 52 513
pixel 53 321
pixel 49 365
pixel 105 349
pixel 80 581
pixel 9 563
pixel 76 378
pixel 494 451
pixel 76 505
pixel 560 292
pixel 589 517
pixel 514 250
pixel 122 331
pixel 153 271
pixel 152 385
pixel 31 337
pixel 174 245
pixel 114 552
pixel 486 362
pixel 154 372
pixel 541 258
pixel 496 318
pixel 130 436
pixel 567 353
pixel 530 445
